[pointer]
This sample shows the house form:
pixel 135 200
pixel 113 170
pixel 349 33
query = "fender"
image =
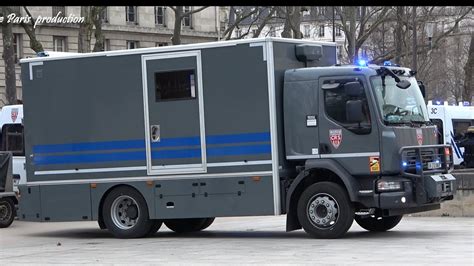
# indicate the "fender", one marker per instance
pixel 351 185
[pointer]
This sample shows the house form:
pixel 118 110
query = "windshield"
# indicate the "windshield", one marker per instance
pixel 399 105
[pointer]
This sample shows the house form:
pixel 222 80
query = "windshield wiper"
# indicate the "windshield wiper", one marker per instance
pixel 407 123
pixel 427 123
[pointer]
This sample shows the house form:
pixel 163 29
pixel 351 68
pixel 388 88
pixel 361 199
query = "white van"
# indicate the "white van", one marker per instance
pixel 452 122
pixel 11 139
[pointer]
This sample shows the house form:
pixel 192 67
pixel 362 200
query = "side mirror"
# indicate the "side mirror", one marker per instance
pixel 353 89
pixel 403 84
pixel 422 88
pixel 354 112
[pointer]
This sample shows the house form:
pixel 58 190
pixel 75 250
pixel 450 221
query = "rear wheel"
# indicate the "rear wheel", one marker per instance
pixel 378 224
pixel 325 211
pixel 189 225
pixel 125 213
pixel 7 212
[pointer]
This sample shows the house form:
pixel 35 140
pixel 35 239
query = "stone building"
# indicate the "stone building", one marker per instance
pixel 124 27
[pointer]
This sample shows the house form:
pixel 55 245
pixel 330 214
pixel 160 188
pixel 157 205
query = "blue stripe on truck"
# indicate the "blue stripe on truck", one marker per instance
pixel 140 144
pixel 141 156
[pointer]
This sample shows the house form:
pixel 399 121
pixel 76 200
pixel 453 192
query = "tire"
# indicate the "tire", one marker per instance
pixel 378 224
pixel 206 223
pixel 188 225
pixel 155 227
pixel 7 212
pixel 125 213
pixel 325 210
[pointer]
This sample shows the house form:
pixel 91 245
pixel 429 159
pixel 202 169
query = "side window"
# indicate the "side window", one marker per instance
pixel 335 99
pixel 460 128
pixel 439 128
pixel 175 85
pixel 12 139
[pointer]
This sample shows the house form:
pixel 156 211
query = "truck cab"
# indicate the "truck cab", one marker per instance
pixel 367 129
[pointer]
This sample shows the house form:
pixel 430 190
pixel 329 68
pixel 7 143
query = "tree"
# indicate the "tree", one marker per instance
pixel 8 58
pixel 30 31
pixel 358 24
pixel 239 16
pixel 435 43
pixel 469 73
pixel 179 15
pixel 85 31
pixel 291 28
pixel 98 19
pixel 93 17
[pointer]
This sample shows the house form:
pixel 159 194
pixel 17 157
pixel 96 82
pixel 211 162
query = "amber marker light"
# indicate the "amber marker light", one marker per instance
pixel 256 178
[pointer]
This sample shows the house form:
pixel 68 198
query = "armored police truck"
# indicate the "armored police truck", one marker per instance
pixel 183 134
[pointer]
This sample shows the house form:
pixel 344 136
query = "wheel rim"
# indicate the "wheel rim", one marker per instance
pixel 4 212
pixel 125 212
pixel 322 211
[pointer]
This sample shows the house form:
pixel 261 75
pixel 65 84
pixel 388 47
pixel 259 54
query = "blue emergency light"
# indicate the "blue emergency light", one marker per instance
pixel 362 62
pixel 389 63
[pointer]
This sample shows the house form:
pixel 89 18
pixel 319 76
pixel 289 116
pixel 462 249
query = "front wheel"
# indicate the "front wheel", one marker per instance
pixel 7 212
pixel 325 211
pixel 125 214
pixel 378 224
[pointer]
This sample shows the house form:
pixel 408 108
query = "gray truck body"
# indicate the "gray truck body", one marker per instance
pixel 242 143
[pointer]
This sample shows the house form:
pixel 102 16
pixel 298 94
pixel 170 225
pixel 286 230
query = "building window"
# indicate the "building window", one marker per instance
pixel 107 45
pixel 321 31
pixel 272 32
pixel 59 44
pixel 160 44
pixel 160 12
pixel 238 33
pixel 254 15
pixel 132 44
pixel 175 85
pixel 131 14
pixel 17 44
pixel 254 33
pixel 187 20
pixel 104 16
pixel 307 30
pixel 16 10
pixel 59 10
pixel 322 11
pixel 338 31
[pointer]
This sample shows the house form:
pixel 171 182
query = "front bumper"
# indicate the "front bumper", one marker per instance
pixel 414 198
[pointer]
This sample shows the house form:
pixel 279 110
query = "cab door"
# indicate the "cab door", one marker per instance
pixel 354 145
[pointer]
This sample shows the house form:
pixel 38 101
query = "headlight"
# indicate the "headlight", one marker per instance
pixel 385 186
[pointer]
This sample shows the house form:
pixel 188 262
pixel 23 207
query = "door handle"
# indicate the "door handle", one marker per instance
pixel 155 133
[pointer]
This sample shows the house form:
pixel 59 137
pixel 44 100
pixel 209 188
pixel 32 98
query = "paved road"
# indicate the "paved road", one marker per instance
pixel 243 240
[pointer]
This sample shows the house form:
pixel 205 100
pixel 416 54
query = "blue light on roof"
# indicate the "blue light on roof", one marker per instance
pixel 362 62
pixel 466 103
pixel 387 63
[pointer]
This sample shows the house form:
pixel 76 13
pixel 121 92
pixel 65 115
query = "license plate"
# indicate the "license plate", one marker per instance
pixel 434 165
